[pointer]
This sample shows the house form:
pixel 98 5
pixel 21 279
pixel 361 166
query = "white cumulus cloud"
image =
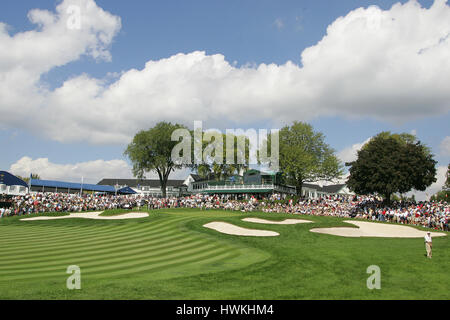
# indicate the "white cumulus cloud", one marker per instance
pixel 91 171
pixel 350 153
pixel 445 146
pixel 26 56
pixel 387 64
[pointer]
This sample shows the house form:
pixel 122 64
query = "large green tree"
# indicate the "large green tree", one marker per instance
pixel 391 163
pixel 151 150
pixel 219 168
pixel 443 195
pixel 304 156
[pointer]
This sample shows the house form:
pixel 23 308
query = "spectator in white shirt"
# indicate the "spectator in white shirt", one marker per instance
pixel 428 244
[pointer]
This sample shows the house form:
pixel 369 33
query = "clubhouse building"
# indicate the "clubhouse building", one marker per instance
pixel 251 183
pixel 148 187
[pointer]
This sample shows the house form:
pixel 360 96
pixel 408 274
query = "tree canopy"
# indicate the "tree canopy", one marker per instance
pixel 218 166
pixel 151 150
pixel 154 150
pixel 304 156
pixel 391 163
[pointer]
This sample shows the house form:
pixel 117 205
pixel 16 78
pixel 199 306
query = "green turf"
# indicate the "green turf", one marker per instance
pixel 117 212
pixel 169 255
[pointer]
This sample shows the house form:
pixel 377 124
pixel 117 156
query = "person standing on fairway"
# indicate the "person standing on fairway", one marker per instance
pixel 428 244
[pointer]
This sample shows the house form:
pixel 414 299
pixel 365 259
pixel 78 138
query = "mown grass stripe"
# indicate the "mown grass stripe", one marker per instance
pixel 73 246
pixel 115 263
pixel 120 270
pixel 118 242
pixel 119 258
pixel 95 231
pixel 185 258
pixel 94 249
pixel 97 224
pixel 62 234
pixel 29 230
pixel 77 242
pixel 104 255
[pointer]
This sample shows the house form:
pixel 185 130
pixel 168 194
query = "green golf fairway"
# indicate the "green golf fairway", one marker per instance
pixel 170 255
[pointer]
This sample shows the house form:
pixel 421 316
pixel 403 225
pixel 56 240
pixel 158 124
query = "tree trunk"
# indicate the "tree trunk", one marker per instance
pixel 387 198
pixel 299 188
pixel 164 188
pixel 163 176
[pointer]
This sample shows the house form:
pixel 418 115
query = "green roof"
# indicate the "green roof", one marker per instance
pixel 260 172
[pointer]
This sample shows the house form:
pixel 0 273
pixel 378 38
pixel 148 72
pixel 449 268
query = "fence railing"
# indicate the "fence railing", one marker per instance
pixel 237 187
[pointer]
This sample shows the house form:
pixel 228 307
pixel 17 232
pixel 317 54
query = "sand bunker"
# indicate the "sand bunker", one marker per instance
pixel 229 228
pixel 92 215
pixel 286 221
pixel 371 229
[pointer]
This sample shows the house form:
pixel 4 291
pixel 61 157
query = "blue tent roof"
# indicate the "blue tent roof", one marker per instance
pixel 126 190
pixel 77 186
pixel 70 185
pixel 10 180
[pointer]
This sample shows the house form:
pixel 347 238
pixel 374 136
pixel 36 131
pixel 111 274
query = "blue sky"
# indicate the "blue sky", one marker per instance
pixel 247 34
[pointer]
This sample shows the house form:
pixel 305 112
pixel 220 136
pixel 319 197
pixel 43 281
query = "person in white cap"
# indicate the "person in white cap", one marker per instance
pixel 428 244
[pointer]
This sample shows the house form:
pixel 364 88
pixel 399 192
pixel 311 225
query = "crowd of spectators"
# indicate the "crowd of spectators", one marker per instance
pixel 427 214
pixel 63 202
